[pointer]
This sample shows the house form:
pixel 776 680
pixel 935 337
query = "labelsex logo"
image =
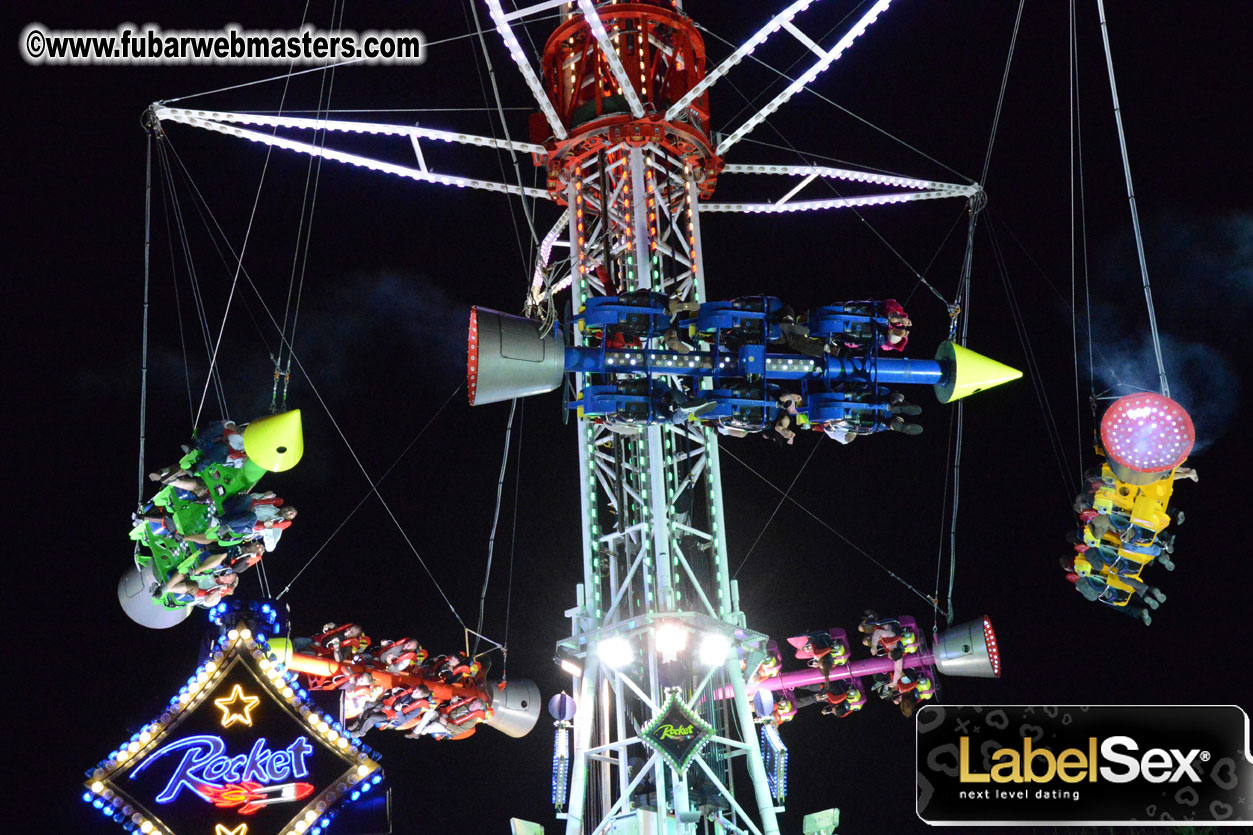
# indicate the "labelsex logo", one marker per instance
pixel 1038 765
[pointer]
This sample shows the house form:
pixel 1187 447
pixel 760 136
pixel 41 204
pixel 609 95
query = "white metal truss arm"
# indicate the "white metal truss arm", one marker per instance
pixel 773 25
pixel 809 75
pixel 833 203
pixel 178 114
pixel 852 175
pixel 524 65
pixel 355 159
pixel 611 58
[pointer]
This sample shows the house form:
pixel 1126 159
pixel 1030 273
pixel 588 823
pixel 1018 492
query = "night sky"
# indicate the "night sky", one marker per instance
pixel 393 267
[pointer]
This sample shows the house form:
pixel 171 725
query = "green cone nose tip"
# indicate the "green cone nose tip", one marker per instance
pixel 275 442
pixel 967 372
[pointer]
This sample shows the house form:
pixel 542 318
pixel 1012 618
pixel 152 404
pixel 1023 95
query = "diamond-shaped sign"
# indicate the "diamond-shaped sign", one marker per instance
pixel 677 733
pixel 239 750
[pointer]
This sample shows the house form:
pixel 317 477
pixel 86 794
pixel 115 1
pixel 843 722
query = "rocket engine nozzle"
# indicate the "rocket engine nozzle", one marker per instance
pixel 507 358
pixel 968 649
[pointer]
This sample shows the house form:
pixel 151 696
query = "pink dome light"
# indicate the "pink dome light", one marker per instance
pixel 1147 433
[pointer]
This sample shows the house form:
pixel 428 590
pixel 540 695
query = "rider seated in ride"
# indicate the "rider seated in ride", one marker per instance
pixel 818 649
pixel 888 326
pixel 398 707
pixel 255 512
pixel 340 642
pixel 637 326
pixel 882 635
pixel 666 402
pixel 1097 589
pixel 838 698
pixel 205 590
pixel 212 561
pixel 768 668
pixel 784 710
pixel 362 692
pixel 219 442
pixel 884 411
pixel 853 701
pixel 786 408
pixel 399 656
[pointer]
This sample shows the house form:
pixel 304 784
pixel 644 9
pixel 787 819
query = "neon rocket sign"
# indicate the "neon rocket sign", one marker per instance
pixel 244 780
pixel 239 750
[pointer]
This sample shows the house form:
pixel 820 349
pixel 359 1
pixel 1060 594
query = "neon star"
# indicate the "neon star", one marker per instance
pixel 232 714
pixel 221 829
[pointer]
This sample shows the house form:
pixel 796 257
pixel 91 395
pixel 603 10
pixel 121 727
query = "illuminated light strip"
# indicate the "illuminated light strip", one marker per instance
pixel 611 58
pixel 994 652
pixel 179 114
pixel 773 25
pixel 472 355
pixel 546 251
pixel 834 203
pixel 524 66
pixel 809 75
pixel 776 756
pixel 361 161
pixel 851 175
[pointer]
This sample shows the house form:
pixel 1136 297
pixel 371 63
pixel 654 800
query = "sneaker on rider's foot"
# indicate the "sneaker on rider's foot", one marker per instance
pixel 911 409
pixel 1166 563
pixel 899 425
pixel 1151 602
pixel 1159 594
pixel 1145 617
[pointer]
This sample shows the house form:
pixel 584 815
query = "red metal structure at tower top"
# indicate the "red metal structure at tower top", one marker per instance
pixel 617 79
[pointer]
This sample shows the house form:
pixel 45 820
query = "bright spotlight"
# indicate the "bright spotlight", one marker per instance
pixel 671 639
pixel 714 649
pixel 566 661
pixel 615 652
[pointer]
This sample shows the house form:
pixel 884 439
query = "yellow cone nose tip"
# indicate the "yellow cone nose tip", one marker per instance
pixel 275 442
pixel 967 372
pixel 281 649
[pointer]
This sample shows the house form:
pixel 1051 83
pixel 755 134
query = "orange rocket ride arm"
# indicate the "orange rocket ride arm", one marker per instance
pixel 328 667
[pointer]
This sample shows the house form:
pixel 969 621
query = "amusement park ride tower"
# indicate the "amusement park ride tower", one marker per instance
pixel 633 159
pixel 658 634
pixel 630 153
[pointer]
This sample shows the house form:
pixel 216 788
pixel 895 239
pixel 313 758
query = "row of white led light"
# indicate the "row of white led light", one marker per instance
pixel 848 174
pixel 524 65
pixel 773 25
pixel 804 80
pixel 833 203
pixel 361 161
pixel 176 114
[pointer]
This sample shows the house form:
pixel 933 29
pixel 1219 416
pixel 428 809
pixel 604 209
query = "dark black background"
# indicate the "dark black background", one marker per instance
pixel 394 265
